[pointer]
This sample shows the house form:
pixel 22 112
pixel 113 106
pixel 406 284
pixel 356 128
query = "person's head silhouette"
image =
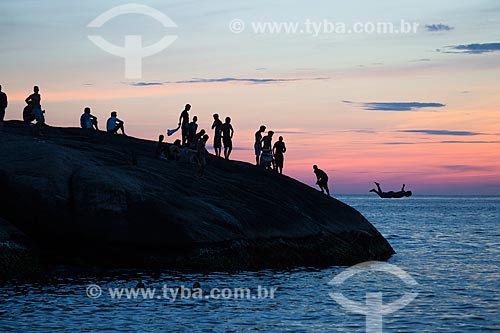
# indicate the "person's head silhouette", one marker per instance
pixel 216 116
pixel 36 89
pixel 280 138
pixel 188 107
pixel 315 167
pixel 228 120
pixel 161 138
pixel 271 133
pixel 87 110
pixel 262 128
pixel 113 114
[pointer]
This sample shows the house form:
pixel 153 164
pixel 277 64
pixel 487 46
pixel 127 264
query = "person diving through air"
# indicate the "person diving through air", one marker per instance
pixel 391 194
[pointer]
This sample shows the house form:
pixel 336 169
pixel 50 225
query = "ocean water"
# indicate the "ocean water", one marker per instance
pixel 449 245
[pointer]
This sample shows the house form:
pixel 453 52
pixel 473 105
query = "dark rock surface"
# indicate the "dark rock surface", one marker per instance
pixel 100 198
pixel 17 254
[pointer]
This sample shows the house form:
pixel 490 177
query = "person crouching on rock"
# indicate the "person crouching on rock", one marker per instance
pixel 322 180
pixel 114 124
pixel 201 155
pixel 88 121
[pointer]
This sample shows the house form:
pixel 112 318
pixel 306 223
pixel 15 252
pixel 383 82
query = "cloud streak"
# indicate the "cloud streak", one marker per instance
pixel 438 27
pixel 442 132
pixel 226 80
pixel 473 48
pixel 400 106
pixel 465 168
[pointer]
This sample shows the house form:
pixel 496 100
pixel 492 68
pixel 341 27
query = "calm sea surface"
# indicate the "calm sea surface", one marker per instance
pixel 449 245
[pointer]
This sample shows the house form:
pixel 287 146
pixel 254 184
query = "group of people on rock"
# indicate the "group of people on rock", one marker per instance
pixel 223 133
pixel 267 155
pixel 191 148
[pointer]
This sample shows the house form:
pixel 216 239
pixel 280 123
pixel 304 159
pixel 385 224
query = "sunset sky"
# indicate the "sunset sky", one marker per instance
pixel 419 108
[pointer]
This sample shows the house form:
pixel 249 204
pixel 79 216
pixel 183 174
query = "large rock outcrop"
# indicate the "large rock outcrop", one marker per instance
pixel 104 198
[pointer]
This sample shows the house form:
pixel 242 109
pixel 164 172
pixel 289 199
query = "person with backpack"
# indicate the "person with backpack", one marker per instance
pixel 34 102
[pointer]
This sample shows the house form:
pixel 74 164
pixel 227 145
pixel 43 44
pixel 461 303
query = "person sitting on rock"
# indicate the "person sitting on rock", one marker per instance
pixel 160 148
pixel 114 124
pixel 322 180
pixel 88 121
pixel 391 194
pixel 174 151
pixel 201 155
pixel 197 138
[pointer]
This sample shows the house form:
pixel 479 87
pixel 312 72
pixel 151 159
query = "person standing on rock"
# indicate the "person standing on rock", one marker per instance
pixel 322 180
pixel 114 124
pixel 227 137
pixel 184 124
pixel 279 149
pixel 3 105
pixel 266 159
pixel 258 144
pixel 88 121
pixel 216 126
pixel 193 130
pixel 35 101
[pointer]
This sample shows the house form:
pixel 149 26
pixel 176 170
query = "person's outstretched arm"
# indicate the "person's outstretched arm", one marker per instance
pixel 232 131
pixel 28 99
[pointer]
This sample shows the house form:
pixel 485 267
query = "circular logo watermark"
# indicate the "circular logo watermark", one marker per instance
pixel 94 291
pixel 373 309
pixel 237 26
pixel 132 51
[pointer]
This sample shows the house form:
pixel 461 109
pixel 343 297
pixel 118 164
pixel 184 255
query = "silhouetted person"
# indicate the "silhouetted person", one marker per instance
pixel 88 121
pixel 258 144
pixel 216 126
pixel 174 151
pixel 193 129
pixel 227 137
pixel 184 124
pixel 266 158
pixel 198 137
pixel 391 194
pixel 201 154
pixel 160 147
pixel 114 124
pixel 35 102
pixel 3 105
pixel 322 180
pixel 279 149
